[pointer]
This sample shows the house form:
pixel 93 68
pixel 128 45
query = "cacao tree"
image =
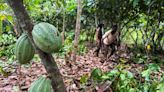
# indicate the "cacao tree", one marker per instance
pixel 47 59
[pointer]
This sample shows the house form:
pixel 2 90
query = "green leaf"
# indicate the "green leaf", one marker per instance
pixel 146 74
pixel 58 3
pixel 10 19
pixel 146 87
pixel 105 77
pixel 135 3
pixel 129 74
pixel 147 2
pixel 122 76
pixel 113 73
pixel 3 72
pixel 160 87
pixel 154 67
pixel 122 60
pixel 132 90
pixel 96 74
pixel 84 79
pixel 141 60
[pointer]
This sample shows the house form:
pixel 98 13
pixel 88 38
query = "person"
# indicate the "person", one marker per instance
pixel 110 39
pixel 98 35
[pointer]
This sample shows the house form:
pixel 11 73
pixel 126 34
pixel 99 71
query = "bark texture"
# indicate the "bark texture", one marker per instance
pixel 77 31
pixel 47 59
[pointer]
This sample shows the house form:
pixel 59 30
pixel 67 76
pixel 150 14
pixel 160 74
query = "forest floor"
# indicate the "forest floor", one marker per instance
pixel 71 72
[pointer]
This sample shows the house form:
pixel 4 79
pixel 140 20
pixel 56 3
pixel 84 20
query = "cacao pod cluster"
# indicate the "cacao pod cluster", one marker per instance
pixel 46 37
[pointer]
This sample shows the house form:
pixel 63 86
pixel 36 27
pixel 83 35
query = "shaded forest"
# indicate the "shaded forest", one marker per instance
pixel 81 45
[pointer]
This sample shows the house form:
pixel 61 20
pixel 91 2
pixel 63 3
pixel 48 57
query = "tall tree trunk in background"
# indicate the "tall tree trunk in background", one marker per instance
pixel 77 31
pixel 63 32
pixel 47 59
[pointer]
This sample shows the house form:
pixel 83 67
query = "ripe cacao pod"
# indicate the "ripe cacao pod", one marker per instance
pixel 46 37
pixel 24 50
pixel 42 84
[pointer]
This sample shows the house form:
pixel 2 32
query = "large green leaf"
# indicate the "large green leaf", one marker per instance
pixel 96 74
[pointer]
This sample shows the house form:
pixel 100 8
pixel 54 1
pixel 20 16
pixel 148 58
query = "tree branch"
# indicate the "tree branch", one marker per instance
pixel 132 18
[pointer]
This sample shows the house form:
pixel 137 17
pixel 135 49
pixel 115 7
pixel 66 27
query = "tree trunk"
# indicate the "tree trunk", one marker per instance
pixel 77 31
pixel 47 59
pixel 63 32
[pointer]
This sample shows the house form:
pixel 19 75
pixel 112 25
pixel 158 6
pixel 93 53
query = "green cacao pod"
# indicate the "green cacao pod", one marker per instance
pixel 42 84
pixel 46 37
pixel 24 50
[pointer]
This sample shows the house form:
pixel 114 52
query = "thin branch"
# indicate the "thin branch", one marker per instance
pixel 129 21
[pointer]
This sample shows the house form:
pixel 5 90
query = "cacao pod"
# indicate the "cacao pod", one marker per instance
pixel 24 50
pixel 46 37
pixel 42 84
